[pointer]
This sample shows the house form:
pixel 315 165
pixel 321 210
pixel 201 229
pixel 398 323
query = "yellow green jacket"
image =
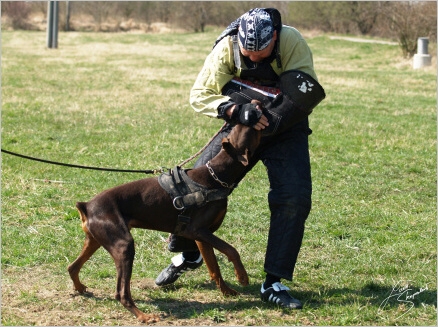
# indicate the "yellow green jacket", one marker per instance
pixel 219 69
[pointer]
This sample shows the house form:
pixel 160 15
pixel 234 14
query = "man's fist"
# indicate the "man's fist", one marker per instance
pixel 246 114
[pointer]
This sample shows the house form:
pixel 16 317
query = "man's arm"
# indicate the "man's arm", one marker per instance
pixel 300 89
pixel 300 94
pixel 206 94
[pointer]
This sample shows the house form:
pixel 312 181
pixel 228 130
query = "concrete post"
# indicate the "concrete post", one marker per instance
pixel 422 57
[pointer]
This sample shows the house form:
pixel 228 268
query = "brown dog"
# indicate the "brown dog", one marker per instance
pixel 109 216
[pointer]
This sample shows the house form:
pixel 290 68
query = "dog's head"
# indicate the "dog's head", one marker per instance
pixel 241 143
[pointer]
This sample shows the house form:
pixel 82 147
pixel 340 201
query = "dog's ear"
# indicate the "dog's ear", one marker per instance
pixel 244 158
pixel 226 144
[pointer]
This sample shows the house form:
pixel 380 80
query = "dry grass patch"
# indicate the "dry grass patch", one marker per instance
pixel 35 296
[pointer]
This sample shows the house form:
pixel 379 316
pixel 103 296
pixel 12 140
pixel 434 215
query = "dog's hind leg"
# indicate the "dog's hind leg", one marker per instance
pixel 90 246
pixel 119 243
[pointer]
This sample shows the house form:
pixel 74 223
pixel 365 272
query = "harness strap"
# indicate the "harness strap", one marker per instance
pixel 199 198
pixel 187 193
pixel 236 54
pixel 176 175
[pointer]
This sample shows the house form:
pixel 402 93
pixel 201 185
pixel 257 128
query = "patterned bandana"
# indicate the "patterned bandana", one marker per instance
pixel 255 30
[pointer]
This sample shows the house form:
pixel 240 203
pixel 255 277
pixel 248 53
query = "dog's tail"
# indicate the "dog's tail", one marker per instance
pixel 82 208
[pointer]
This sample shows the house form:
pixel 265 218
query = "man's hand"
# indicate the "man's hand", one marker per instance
pixel 263 121
pixel 249 114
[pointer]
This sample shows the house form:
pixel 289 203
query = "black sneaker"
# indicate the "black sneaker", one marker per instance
pixel 278 294
pixel 178 266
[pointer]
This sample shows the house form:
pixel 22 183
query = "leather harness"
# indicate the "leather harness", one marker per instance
pixel 187 194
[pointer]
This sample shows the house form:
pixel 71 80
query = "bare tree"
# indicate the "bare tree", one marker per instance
pixel 39 6
pixel 194 15
pixel 18 13
pixel 405 21
pixel 325 16
pixel 126 8
pixel 409 21
pixel 164 10
pixel 364 14
pixel 100 10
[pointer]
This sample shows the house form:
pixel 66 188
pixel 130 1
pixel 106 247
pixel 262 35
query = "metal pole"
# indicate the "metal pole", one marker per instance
pixel 67 16
pixel 55 24
pixel 49 23
pixel 52 24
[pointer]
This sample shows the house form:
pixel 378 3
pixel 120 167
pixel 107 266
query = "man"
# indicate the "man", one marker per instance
pixel 258 58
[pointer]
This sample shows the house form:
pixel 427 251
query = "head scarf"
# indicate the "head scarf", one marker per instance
pixel 255 30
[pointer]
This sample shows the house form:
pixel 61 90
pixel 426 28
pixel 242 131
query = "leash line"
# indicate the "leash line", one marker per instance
pixel 205 146
pixel 149 171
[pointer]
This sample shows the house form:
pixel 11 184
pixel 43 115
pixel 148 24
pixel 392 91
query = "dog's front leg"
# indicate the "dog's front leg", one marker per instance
pixel 231 254
pixel 213 268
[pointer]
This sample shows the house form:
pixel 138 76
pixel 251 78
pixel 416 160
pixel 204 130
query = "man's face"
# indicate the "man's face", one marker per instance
pixel 258 56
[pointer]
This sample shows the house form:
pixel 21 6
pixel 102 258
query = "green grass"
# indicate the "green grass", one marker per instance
pixel 121 101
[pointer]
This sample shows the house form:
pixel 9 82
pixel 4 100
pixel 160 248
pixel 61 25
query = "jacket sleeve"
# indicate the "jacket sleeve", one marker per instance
pixel 205 95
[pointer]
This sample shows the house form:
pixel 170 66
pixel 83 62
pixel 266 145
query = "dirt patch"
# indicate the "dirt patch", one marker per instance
pixel 34 296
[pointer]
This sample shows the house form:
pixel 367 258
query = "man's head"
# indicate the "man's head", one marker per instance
pixel 256 34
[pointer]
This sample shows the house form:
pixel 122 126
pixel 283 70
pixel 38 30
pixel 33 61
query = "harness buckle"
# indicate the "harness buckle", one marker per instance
pixel 176 205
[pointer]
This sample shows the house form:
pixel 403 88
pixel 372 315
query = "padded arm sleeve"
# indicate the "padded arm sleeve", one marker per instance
pixel 300 94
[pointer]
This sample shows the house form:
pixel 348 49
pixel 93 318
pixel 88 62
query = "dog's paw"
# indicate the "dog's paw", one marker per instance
pixel 227 291
pixel 148 318
pixel 81 288
pixel 242 277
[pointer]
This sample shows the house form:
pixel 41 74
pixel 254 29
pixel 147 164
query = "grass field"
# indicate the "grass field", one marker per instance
pixel 121 101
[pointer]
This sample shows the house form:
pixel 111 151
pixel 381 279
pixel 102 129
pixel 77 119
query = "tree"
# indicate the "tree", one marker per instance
pixel 17 12
pixel 409 21
pixel 100 10
pixel 329 16
pixel 194 15
pixel 364 14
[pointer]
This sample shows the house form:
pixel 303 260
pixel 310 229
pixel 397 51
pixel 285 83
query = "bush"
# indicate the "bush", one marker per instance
pixel 17 12
pixel 399 20
pixel 409 21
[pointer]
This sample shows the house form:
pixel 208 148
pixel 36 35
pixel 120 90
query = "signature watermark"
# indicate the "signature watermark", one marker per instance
pixel 403 293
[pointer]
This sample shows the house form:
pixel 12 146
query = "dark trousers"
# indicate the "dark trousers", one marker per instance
pixel 286 158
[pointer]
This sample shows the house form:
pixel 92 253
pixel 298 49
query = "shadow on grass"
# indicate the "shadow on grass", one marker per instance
pixel 379 296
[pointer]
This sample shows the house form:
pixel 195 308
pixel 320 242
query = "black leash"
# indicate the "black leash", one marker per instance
pixel 148 171
pixel 205 146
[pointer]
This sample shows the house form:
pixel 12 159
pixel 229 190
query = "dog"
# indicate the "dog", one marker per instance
pixel 108 218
